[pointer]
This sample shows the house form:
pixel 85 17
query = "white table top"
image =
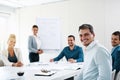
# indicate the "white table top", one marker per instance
pixel 63 71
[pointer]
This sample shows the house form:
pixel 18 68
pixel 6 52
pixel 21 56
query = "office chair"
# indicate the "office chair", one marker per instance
pixel 113 74
pixel 117 76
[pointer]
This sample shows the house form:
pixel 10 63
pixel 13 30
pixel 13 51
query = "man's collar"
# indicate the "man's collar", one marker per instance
pixel 93 43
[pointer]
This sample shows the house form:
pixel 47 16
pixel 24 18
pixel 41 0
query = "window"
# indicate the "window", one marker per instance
pixel 3 32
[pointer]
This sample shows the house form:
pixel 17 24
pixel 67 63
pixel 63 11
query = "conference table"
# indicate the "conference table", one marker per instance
pixel 33 71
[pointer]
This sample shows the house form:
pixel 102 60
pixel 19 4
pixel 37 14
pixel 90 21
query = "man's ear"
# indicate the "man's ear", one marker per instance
pixel 93 34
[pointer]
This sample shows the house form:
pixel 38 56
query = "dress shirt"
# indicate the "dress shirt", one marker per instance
pixel 38 41
pixel 76 53
pixel 98 63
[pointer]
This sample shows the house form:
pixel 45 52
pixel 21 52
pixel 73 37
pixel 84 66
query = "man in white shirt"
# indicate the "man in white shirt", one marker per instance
pixel 97 63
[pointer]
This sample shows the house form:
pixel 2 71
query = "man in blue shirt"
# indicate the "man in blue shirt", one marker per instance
pixel 115 41
pixel 72 53
pixel 97 62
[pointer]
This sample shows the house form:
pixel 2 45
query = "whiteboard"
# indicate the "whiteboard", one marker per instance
pixel 49 32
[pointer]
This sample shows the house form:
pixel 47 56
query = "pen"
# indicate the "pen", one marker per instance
pixel 43 75
pixel 78 68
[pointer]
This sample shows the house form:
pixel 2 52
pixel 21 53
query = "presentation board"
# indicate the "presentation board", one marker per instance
pixel 49 33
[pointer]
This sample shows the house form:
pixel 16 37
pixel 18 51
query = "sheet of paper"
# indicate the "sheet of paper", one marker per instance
pixel 50 73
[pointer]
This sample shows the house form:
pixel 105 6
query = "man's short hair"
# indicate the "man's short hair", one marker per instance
pixel 87 26
pixel 35 26
pixel 72 36
pixel 116 33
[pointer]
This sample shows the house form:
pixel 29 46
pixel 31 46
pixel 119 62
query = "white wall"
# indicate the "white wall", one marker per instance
pixel 112 20
pixel 104 15
pixel 8 26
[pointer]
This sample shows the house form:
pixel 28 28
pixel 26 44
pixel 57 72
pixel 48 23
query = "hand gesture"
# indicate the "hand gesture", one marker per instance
pixel 18 64
pixel 40 51
pixel 71 60
pixel 51 60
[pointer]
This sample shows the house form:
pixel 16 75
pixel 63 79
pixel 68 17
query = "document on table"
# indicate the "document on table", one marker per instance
pixel 50 73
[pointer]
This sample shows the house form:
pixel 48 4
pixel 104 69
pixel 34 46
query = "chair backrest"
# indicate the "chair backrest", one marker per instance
pixel 113 74
pixel 118 76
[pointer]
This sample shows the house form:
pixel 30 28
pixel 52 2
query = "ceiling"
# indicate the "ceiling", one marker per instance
pixel 24 3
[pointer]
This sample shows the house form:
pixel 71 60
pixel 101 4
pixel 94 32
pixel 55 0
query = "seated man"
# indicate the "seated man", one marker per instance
pixel 72 53
pixel 115 41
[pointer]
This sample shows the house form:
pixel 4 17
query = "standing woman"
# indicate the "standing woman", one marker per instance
pixel 34 45
pixel 12 56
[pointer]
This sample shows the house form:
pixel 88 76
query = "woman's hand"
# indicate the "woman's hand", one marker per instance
pixel 18 64
pixel 40 51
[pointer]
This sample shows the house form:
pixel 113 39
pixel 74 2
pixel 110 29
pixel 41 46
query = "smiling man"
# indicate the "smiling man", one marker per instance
pixel 97 62
pixel 72 52
pixel 115 41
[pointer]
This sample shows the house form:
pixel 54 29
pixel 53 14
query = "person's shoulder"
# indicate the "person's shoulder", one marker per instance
pixel 30 35
pixel 78 46
pixel 17 49
pixel 102 49
pixel 100 46
pixel 4 52
pixel 118 48
pixel 66 47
